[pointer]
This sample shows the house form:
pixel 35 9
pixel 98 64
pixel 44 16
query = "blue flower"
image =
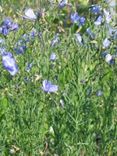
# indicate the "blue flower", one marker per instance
pixel 74 17
pixel 109 59
pixel 62 3
pixel 49 87
pixel 95 9
pixel 9 63
pixel 8 26
pixel 20 49
pixel 7 22
pixel 82 21
pixel 106 43
pixel 32 34
pixel 53 57
pixel 14 27
pixel 5 30
pixel 98 20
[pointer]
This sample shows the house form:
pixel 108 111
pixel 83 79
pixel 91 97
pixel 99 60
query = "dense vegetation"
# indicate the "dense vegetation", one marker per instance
pixel 58 79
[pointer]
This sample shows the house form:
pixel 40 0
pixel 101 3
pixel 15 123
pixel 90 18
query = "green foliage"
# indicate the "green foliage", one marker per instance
pixel 36 123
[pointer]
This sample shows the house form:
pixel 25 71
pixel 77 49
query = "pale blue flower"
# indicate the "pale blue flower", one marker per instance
pixel 106 43
pixel 14 27
pixel 53 57
pixel 109 59
pixel 62 3
pixel 9 63
pixel 2 50
pixel 99 93
pixel 49 87
pixel 79 38
pixel 107 15
pixel 82 21
pixel 33 33
pixel 74 17
pixel 29 14
pixel 98 20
